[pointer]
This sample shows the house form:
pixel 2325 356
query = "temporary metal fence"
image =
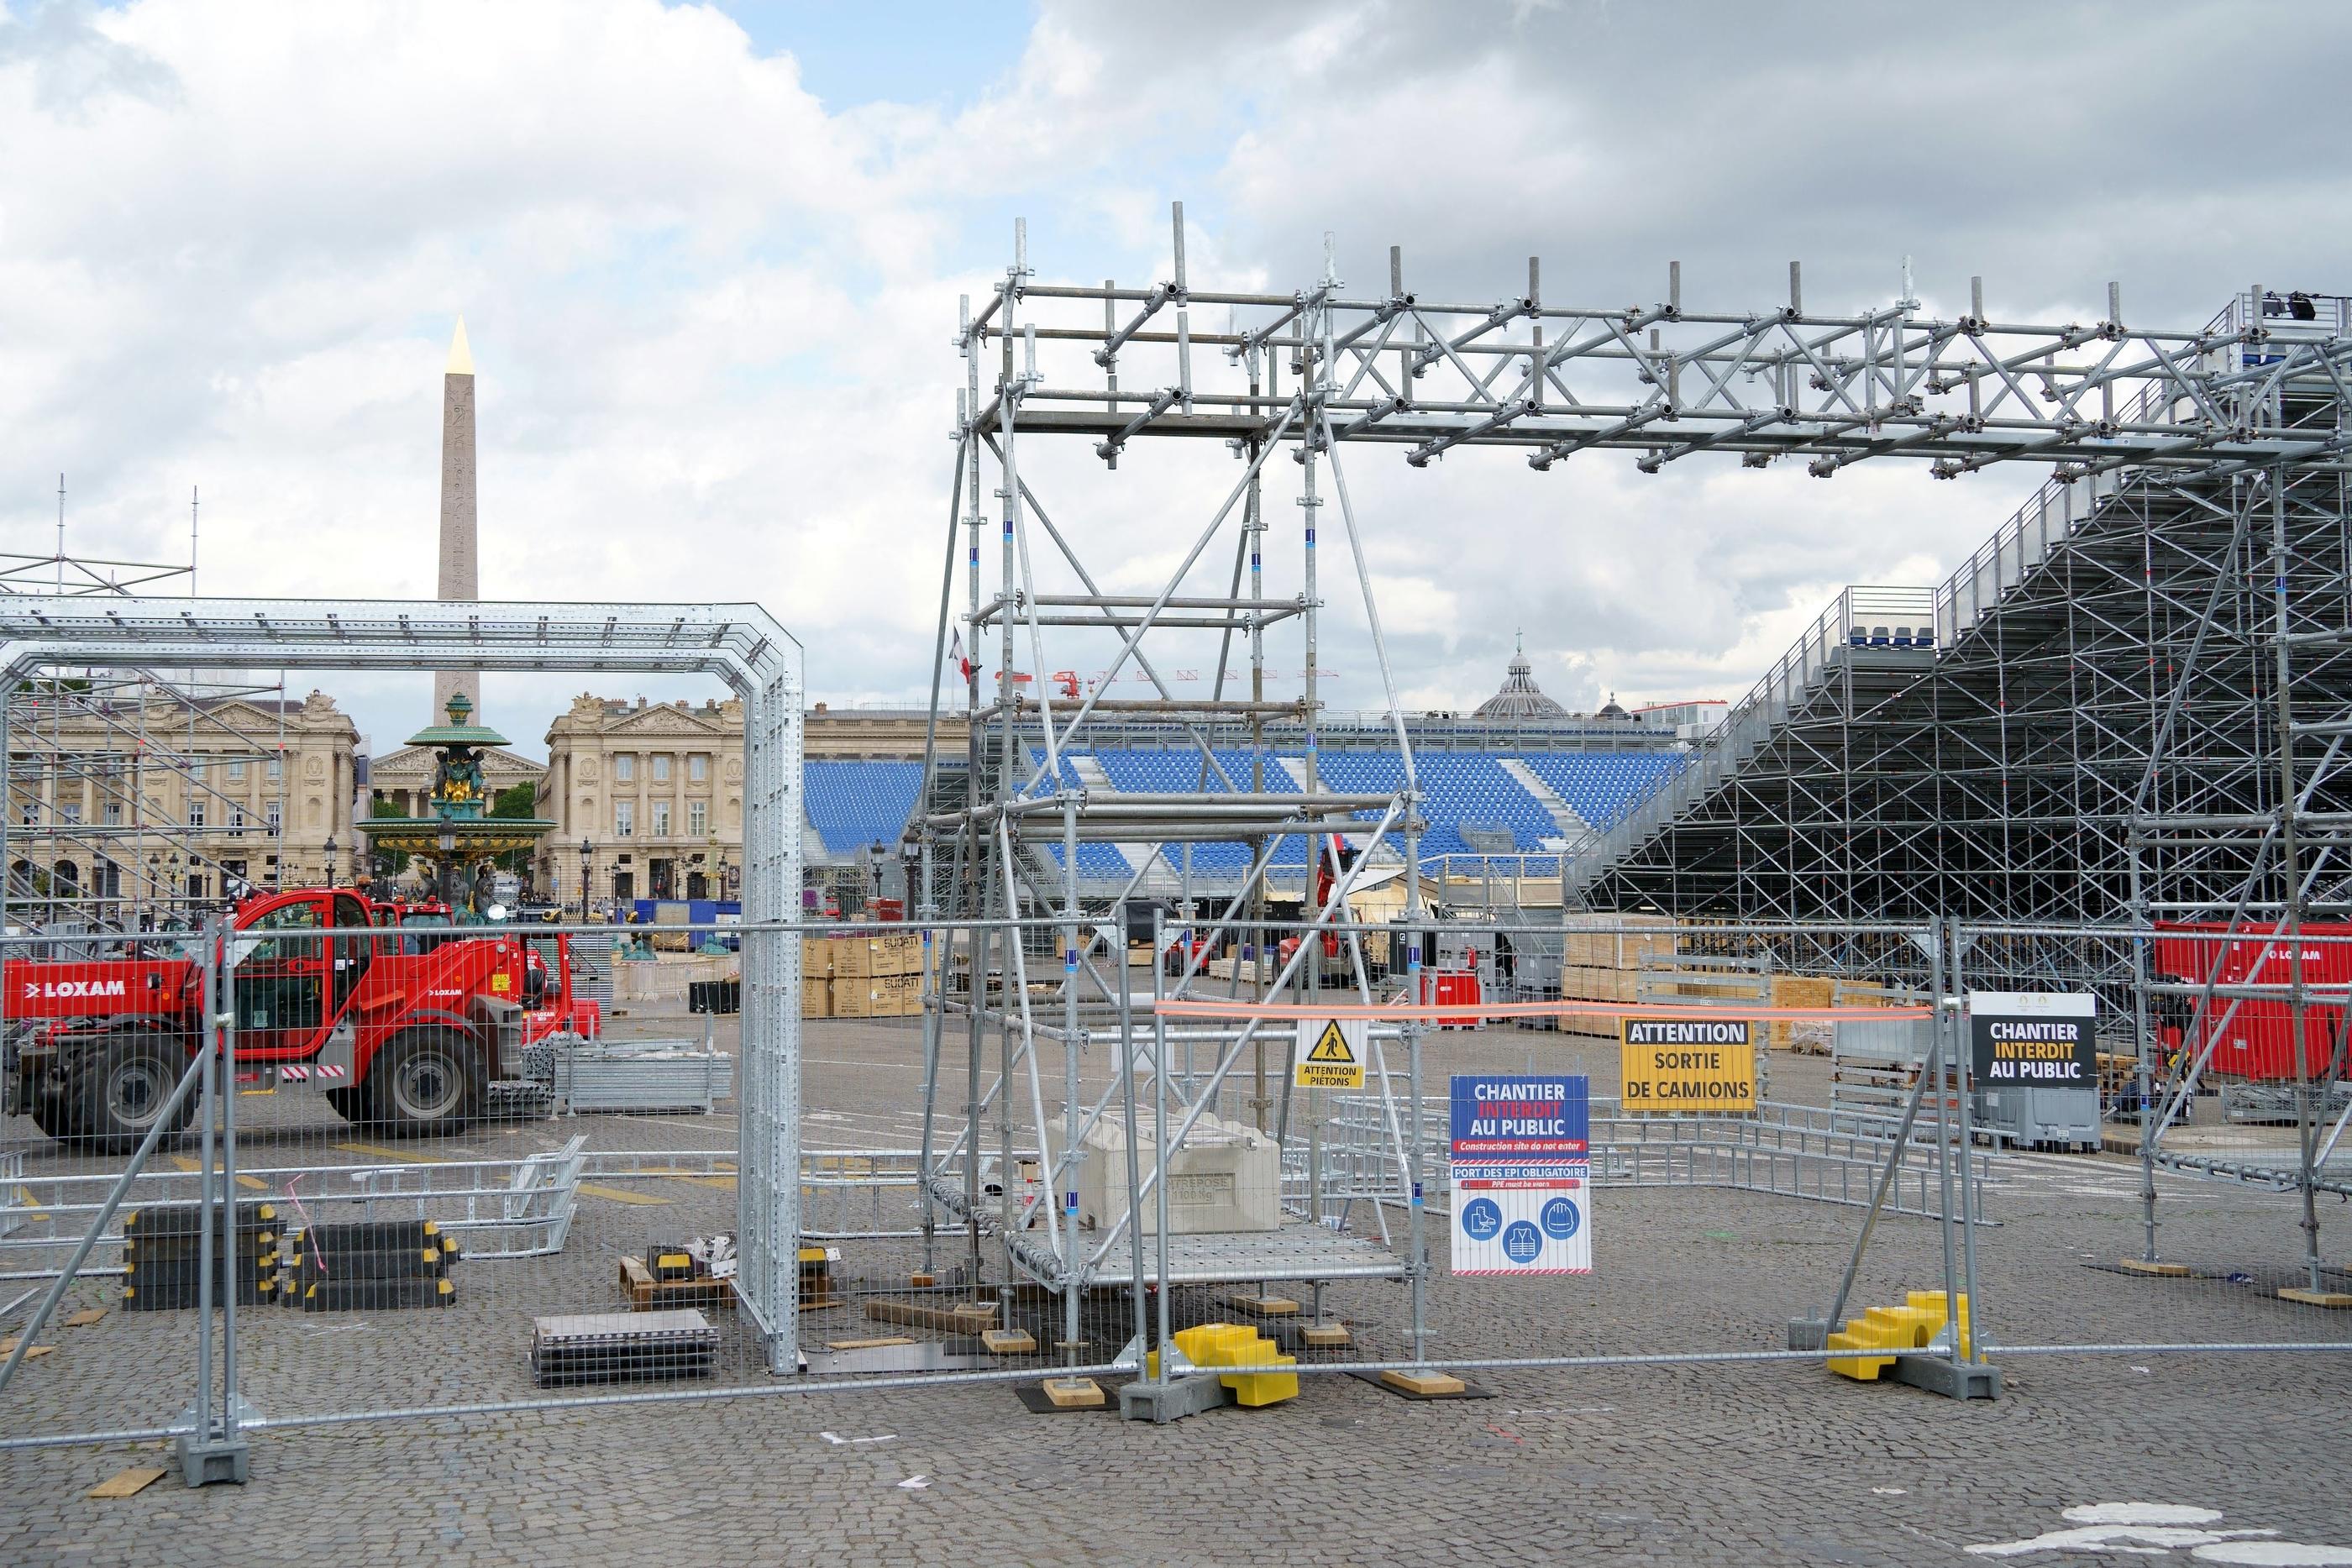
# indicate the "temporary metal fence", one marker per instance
pixel 935 1246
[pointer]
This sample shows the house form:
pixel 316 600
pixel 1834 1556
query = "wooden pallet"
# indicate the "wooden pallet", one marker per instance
pixel 647 1295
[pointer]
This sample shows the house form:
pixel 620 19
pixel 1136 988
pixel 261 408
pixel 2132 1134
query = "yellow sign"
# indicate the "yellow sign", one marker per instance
pixel 1686 1064
pixel 501 982
pixel 1331 1053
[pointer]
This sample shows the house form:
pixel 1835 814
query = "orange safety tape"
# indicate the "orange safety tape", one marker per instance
pixel 1221 1008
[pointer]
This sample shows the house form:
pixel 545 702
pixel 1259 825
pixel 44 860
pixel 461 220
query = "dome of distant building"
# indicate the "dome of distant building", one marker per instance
pixel 1521 698
pixel 1611 710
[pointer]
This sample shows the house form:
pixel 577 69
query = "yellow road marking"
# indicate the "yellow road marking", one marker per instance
pixel 186 1163
pixel 384 1153
pixel 615 1195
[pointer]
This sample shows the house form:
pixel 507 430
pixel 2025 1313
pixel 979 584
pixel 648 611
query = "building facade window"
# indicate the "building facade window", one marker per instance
pixel 195 814
pixel 275 816
pixel 236 821
pixel 625 818
pixel 661 818
pixel 624 766
pixel 698 768
pixel 697 817
pixel 71 811
pixel 276 774
pixel 661 766
pixel 236 773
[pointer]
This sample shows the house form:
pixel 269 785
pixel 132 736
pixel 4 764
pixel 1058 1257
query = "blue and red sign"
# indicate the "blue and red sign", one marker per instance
pixel 1507 1120
pixel 1522 1175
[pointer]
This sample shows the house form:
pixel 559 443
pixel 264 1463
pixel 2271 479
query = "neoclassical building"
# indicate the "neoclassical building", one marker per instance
pixel 168 801
pixel 654 791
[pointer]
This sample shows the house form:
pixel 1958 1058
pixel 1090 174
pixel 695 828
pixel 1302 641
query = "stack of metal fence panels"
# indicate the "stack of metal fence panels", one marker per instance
pixel 642 1075
pixel 621 1347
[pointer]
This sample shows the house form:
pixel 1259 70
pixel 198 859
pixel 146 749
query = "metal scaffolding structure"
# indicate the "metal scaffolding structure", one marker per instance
pixel 737 643
pixel 2103 667
pixel 1985 748
pixel 114 812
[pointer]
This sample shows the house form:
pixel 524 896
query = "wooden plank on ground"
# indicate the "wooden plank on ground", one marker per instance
pixel 84 1317
pixel 1074 1393
pixel 867 1344
pixel 128 1483
pixel 964 1317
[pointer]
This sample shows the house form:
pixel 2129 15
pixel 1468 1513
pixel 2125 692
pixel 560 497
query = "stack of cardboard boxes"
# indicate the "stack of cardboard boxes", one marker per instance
pixel 871 977
pixel 1603 960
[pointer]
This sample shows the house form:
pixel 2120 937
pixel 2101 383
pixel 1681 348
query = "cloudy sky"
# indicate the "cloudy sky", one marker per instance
pixel 709 257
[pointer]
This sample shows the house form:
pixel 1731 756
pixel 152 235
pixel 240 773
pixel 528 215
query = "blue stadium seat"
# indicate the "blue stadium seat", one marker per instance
pixel 853 805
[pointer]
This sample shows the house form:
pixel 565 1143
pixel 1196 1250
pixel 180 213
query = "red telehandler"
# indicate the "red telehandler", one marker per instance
pixel 415 1030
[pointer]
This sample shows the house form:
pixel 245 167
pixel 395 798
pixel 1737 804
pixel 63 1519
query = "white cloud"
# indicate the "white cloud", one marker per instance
pixel 712 314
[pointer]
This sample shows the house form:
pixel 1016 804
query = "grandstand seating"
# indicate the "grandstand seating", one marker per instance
pixel 853 805
pixel 1603 786
pixel 1461 787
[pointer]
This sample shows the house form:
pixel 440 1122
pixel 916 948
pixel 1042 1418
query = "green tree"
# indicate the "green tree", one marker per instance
pixel 516 800
pixel 395 860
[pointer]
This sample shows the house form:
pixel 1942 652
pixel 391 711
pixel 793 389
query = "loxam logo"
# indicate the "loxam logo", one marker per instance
pixel 54 990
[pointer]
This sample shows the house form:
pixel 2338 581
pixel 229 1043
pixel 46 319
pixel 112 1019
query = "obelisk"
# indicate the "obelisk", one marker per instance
pixel 460 562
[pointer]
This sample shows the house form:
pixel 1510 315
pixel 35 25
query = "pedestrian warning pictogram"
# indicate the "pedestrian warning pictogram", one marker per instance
pixel 1331 1053
pixel 1333 1046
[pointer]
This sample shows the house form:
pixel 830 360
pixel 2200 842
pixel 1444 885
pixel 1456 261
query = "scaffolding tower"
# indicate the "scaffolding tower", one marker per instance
pixel 115 816
pixel 2188 424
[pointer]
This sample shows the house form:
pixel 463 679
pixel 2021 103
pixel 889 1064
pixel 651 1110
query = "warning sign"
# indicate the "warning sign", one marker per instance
pixel 1522 1176
pixel 2037 1037
pixel 1331 1053
pixel 1686 1064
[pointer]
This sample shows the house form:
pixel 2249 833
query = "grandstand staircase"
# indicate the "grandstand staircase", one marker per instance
pixel 1382 853
pixel 1157 879
pixel 1575 834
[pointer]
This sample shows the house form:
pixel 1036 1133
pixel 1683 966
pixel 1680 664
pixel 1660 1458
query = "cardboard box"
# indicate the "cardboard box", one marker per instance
pixel 816 957
pixel 877 995
pixel 816 998
pixel 867 957
pixel 1797 991
pixel 1607 941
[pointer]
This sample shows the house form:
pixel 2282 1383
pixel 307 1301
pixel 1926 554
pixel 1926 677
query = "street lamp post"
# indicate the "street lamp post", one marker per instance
pixel 448 844
pixel 330 861
pixel 587 857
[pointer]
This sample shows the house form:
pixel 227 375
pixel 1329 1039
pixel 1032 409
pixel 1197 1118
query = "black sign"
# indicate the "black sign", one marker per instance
pixel 1684 1031
pixel 2036 1048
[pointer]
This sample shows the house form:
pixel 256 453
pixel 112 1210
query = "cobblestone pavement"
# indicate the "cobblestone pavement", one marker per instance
pixel 1762 1463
